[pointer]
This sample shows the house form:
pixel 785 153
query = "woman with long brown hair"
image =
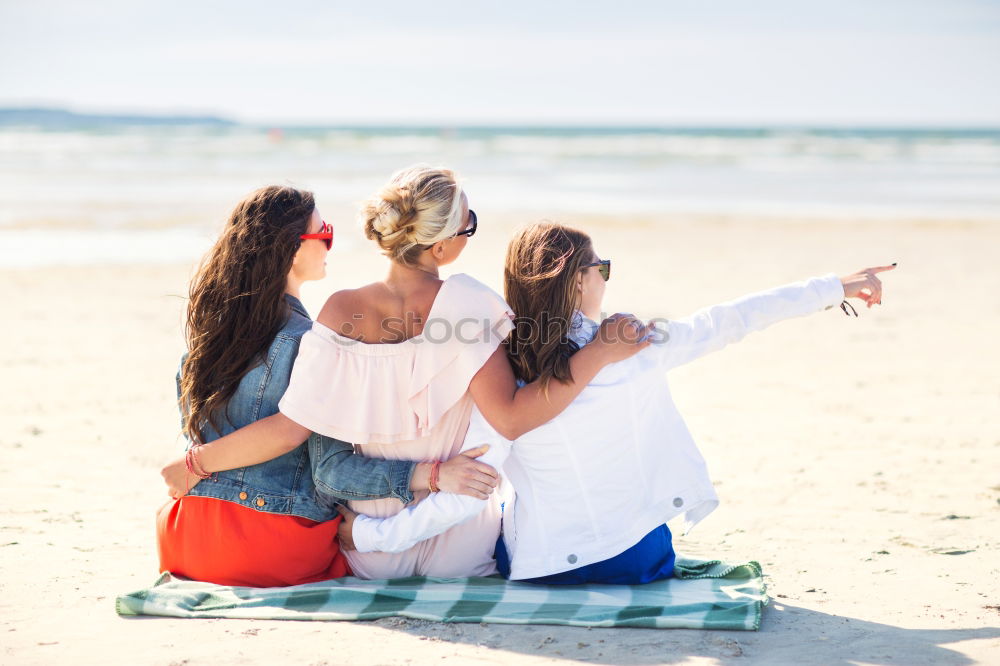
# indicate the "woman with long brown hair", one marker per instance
pixel 262 523
pixel 396 367
pixel 596 485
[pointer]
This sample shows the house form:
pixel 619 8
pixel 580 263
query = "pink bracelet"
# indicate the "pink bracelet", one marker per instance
pixel 194 465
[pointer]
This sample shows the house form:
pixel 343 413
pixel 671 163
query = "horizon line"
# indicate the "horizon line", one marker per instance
pixel 195 118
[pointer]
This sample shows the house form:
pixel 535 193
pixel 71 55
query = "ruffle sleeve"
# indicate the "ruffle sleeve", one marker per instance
pixel 347 389
pixel 457 340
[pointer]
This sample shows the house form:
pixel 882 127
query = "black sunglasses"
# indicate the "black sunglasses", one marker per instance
pixel 473 224
pixel 603 267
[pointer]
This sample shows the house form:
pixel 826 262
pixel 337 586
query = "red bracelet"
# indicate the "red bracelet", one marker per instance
pixel 433 482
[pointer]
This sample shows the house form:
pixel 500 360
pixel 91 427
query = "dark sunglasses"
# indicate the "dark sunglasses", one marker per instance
pixel 473 225
pixel 325 234
pixel 603 267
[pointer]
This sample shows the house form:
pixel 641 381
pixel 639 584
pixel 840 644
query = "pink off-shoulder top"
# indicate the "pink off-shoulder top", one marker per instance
pixel 407 401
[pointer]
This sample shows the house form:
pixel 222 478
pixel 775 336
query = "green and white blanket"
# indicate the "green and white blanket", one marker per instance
pixel 702 595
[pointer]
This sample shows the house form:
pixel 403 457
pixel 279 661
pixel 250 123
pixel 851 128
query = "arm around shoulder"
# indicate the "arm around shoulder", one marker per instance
pixel 513 411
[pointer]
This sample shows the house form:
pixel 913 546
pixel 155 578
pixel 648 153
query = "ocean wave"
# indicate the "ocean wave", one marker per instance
pixel 110 177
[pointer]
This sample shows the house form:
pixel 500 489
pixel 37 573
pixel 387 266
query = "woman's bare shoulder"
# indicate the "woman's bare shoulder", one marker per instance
pixel 344 308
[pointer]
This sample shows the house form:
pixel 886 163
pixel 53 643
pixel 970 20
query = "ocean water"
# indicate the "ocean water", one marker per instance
pixel 120 190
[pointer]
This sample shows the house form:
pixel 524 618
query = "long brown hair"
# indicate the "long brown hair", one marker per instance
pixel 237 303
pixel 543 261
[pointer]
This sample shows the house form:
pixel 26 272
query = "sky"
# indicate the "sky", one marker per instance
pixel 699 62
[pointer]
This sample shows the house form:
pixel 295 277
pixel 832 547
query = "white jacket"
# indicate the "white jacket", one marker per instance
pixel 616 463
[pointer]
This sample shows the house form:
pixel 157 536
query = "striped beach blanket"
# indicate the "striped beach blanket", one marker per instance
pixel 702 595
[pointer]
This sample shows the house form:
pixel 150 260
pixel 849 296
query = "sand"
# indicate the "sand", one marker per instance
pixel 858 459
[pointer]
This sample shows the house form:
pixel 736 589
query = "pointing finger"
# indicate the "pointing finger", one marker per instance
pixel 876 288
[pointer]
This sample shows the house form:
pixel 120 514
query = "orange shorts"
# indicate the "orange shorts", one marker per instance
pixel 216 541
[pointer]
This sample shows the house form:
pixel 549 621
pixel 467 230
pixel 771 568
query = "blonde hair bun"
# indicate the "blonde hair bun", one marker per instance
pixel 419 206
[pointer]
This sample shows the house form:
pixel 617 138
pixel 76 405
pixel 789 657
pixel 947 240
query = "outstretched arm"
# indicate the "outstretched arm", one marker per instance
pixel 709 329
pixel 513 411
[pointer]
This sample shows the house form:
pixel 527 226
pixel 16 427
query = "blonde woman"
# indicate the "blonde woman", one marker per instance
pixel 597 484
pixel 397 366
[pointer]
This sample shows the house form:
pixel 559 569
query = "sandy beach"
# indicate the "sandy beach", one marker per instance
pixel 857 459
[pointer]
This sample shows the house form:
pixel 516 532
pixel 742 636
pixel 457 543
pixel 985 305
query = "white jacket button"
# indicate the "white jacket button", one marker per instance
pixel 571 559
pixel 678 502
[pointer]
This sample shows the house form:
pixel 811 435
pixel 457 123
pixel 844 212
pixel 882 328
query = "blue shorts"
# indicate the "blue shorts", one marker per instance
pixel 650 559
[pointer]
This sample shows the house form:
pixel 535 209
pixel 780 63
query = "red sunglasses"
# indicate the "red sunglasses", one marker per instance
pixel 325 234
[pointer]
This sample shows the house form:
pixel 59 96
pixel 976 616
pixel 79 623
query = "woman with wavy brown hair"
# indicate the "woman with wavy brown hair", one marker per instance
pixel 262 522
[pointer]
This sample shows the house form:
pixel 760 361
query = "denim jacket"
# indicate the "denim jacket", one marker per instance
pixel 309 480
